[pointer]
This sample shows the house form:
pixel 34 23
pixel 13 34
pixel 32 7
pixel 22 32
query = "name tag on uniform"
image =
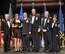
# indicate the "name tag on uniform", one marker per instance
pixel 48 21
pixel 36 18
pixel 27 21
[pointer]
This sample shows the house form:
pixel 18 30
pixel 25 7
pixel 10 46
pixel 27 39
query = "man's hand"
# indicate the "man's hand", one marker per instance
pixel 56 35
pixel 39 30
pixel 29 32
pixel 2 34
pixel 44 30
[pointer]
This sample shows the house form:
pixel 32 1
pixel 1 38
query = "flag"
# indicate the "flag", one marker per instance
pixel 61 21
pixel 32 5
pixel 41 39
pixel 45 9
pixel 21 13
pixel 10 12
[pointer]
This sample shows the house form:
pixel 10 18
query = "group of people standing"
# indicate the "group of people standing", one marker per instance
pixel 33 27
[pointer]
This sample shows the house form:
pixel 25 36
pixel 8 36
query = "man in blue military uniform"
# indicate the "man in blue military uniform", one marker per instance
pixel 35 29
pixel 25 32
pixel 55 35
pixel 46 28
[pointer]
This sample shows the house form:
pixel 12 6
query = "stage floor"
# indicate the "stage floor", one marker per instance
pixel 41 52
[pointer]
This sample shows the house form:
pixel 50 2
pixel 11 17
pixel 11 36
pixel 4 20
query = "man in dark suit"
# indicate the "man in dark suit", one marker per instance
pixel 46 28
pixel 25 32
pixel 35 29
pixel 7 32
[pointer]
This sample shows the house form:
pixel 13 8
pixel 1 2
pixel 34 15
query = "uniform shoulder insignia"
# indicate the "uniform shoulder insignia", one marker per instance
pixel 38 14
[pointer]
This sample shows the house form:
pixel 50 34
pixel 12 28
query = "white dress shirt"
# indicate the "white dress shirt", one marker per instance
pixel 8 24
pixel 45 21
pixel 33 17
pixel 52 25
